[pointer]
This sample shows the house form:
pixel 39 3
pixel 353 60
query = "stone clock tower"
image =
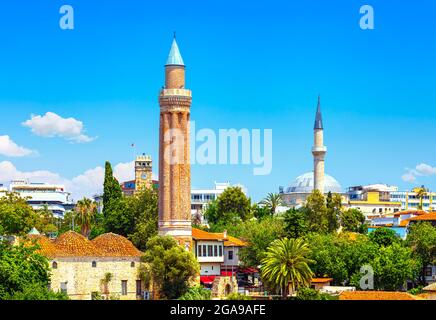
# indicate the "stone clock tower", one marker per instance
pixel 143 172
pixel 174 153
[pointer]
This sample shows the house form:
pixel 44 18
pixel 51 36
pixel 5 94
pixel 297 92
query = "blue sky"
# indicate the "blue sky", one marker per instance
pixel 250 64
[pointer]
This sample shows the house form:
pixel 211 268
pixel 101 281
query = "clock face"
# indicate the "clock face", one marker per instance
pixel 144 176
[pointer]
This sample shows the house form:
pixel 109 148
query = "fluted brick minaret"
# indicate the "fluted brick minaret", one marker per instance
pixel 174 152
pixel 319 150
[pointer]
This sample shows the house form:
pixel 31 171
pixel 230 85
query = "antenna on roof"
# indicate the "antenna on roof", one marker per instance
pixel 174 34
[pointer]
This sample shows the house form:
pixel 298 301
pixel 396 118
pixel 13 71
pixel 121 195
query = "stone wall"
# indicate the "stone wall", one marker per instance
pixel 83 279
pixel 223 286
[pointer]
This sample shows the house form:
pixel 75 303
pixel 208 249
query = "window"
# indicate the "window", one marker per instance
pixel 124 287
pixel 138 287
pixel 54 265
pixel 64 287
pixel 231 255
pixel 94 264
pixel 428 272
pixel 209 251
pixel 215 251
pixel 132 264
pixel 204 251
pixel 221 251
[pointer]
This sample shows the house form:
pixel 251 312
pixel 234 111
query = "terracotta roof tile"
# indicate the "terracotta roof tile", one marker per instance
pixel 228 242
pixel 376 295
pixel 114 245
pixel 72 244
pixel 321 280
pixel 425 217
pixel 415 212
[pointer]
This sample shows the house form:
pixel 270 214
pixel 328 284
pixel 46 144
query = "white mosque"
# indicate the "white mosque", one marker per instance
pixel 296 193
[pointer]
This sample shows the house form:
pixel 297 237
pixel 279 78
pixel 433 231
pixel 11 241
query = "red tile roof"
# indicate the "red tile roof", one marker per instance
pixel 415 212
pixel 425 217
pixel 229 241
pixel 114 245
pixel 376 295
pixel 72 244
pixel 321 280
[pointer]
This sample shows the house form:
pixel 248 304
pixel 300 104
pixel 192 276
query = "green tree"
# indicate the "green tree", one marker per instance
pixel 238 297
pixel 197 293
pixel 85 210
pixel 333 211
pixel 112 192
pixel 36 291
pixel 168 267
pixel 105 284
pixel 312 294
pixel 421 193
pixel 393 266
pixel 422 239
pixel 295 223
pixel 16 216
pixel 384 237
pixel 231 206
pixel 260 212
pixel 286 264
pixel 24 273
pixel 339 256
pixel 144 208
pixel 259 234
pixel 271 202
pixel 353 220
pixel 316 212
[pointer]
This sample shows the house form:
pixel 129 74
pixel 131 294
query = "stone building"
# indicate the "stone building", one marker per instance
pixel 174 153
pixel 80 266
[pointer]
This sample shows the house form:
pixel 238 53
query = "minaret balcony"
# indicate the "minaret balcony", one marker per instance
pixel 319 150
pixel 176 92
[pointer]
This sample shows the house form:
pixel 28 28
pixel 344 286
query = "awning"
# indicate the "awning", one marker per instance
pixel 227 273
pixel 249 270
pixel 207 279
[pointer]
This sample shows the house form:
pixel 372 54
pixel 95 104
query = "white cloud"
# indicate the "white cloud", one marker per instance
pixel 10 149
pixel 421 169
pixel 425 169
pixel 9 172
pixel 408 177
pixel 52 125
pixel 86 184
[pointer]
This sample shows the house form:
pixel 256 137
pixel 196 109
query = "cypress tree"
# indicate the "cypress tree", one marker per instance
pixel 112 192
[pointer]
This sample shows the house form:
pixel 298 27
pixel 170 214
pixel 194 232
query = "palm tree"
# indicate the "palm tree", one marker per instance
pixel 272 201
pixel 105 284
pixel 421 193
pixel 286 264
pixel 86 209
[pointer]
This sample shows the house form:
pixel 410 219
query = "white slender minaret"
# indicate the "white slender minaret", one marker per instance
pixel 319 150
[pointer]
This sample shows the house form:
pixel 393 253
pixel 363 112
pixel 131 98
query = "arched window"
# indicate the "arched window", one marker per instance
pixel 132 264
pixel 94 264
pixel 54 265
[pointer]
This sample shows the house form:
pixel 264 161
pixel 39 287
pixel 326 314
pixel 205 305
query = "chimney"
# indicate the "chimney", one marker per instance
pixel 225 234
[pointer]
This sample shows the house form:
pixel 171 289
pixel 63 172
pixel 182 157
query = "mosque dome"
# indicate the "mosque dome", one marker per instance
pixel 304 184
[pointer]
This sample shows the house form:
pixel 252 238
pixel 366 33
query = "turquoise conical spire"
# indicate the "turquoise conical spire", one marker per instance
pixel 175 58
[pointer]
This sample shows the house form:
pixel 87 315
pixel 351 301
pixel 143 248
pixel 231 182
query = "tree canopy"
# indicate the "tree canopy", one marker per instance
pixel 24 274
pixel 169 268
